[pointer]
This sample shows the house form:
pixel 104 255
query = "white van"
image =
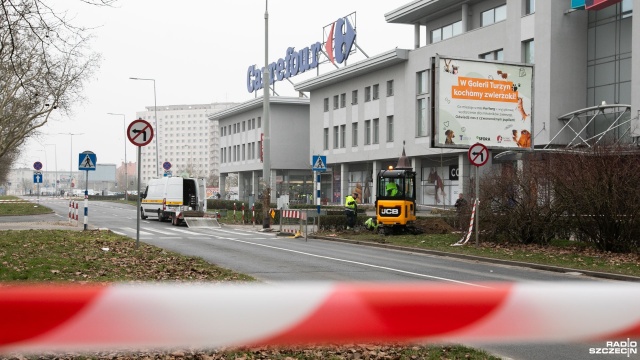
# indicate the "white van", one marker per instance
pixel 169 197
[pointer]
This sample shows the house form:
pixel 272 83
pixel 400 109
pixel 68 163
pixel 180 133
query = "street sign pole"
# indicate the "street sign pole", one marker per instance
pixel 86 201
pixel 478 155
pixel 139 202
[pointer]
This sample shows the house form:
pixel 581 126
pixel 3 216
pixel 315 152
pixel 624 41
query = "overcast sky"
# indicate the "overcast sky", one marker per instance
pixel 198 51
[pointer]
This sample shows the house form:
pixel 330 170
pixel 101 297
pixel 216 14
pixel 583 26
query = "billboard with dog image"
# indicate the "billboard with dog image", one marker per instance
pixel 483 101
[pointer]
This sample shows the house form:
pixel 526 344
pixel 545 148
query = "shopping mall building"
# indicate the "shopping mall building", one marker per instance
pixel 559 73
pixel 566 62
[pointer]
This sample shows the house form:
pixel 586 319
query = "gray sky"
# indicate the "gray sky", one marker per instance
pixel 198 51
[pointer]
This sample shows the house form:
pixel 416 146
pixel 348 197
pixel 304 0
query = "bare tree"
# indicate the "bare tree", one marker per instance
pixel 44 60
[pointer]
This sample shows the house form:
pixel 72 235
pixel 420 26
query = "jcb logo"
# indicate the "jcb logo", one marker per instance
pixel 389 211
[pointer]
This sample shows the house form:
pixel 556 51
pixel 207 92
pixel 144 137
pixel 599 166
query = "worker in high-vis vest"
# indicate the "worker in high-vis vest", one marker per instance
pixel 391 188
pixel 351 210
pixel 371 224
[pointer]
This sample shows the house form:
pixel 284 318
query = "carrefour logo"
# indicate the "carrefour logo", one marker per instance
pixel 338 47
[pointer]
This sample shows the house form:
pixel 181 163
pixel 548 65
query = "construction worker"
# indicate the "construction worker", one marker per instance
pixel 371 224
pixel 391 188
pixel 351 210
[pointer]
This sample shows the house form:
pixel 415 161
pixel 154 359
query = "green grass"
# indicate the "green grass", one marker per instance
pixel 568 254
pixel 74 256
pixel 21 208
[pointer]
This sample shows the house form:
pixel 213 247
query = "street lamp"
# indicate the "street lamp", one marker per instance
pixel 55 153
pixel 155 111
pixel 71 160
pixel 126 175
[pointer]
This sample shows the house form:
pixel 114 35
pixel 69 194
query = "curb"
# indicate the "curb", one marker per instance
pixel 558 269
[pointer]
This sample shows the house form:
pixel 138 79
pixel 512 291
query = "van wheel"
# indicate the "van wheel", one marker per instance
pixel 142 216
pixel 160 216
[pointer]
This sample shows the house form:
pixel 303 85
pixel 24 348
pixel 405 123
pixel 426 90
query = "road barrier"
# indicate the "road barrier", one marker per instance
pixel 73 212
pixel 56 317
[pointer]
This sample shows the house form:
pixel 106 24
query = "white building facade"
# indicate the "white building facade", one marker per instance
pixel 183 137
pixel 368 110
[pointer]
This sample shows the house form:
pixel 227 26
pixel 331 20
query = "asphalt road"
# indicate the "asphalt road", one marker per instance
pixel 272 258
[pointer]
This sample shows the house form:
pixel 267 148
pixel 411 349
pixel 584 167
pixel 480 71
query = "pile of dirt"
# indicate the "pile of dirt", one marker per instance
pixel 433 225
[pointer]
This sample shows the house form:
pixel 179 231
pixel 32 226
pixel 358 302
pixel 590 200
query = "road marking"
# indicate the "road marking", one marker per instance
pixel 184 231
pixel 360 263
pixel 156 231
pixel 119 233
pixel 134 231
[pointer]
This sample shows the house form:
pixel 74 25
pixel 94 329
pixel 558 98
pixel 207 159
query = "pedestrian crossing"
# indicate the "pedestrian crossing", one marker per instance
pixel 176 232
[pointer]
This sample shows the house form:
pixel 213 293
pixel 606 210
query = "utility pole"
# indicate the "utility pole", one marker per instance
pixel 266 141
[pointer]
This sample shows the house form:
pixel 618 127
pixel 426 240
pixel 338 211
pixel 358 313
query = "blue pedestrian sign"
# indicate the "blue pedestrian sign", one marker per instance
pixel 37 177
pixel 87 161
pixel 319 163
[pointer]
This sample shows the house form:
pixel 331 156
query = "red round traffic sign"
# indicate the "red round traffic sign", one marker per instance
pixel 140 132
pixel 478 154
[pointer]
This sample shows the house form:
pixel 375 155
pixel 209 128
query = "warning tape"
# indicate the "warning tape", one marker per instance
pixel 204 316
pixel 466 238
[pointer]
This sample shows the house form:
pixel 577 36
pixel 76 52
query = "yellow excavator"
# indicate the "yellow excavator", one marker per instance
pixel 396 198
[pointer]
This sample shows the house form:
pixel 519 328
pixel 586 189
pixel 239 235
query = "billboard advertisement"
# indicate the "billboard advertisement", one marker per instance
pixel 483 101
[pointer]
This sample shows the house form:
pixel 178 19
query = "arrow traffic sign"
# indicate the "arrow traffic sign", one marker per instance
pixel 37 177
pixel 87 161
pixel 478 154
pixel 319 163
pixel 140 132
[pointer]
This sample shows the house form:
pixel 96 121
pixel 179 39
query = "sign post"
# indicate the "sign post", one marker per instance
pixel 478 155
pixel 319 164
pixel 140 133
pixel 37 178
pixel 87 161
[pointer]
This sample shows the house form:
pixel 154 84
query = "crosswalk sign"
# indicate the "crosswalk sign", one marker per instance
pixel 319 163
pixel 87 161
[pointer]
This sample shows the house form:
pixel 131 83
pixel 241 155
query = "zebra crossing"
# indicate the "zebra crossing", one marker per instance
pixel 173 232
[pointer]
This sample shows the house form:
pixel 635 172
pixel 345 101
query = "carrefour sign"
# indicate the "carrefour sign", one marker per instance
pixel 338 46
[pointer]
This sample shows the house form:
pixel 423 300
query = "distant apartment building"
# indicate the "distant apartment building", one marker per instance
pixel 183 137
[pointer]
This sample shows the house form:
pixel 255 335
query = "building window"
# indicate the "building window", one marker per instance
pixel 336 102
pixel 343 100
pixel 336 137
pixel 390 88
pixel 354 134
pixel 530 7
pixel 627 8
pixel 529 54
pixel 422 82
pixel 367 94
pixel 376 131
pixel 326 104
pixel 422 129
pixel 494 15
pixel 367 132
pixel 243 152
pixel 354 97
pixel 376 92
pixel 493 55
pixel 446 32
pixel 343 134
pixel 326 139
pixel 244 128
pixel 390 128
pixel 259 122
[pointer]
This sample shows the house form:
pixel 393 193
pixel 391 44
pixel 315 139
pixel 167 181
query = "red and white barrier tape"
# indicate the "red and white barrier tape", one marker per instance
pixel 464 239
pixel 201 315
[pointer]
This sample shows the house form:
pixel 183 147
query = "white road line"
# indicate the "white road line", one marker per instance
pixel 184 231
pixel 134 231
pixel 157 231
pixel 360 263
pixel 118 232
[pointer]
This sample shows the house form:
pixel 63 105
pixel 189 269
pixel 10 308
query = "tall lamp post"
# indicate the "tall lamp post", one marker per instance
pixel 126 174
pixel 266 143
pixel 55 154
pixel 71 160
pixel 155 123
